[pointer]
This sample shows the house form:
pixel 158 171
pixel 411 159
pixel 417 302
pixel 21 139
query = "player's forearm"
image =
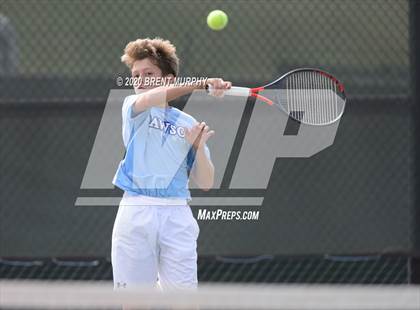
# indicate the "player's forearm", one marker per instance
pixel 160 96
pixel 203 172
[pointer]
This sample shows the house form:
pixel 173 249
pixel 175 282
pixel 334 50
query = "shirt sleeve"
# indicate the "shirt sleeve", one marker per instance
pixel 131 121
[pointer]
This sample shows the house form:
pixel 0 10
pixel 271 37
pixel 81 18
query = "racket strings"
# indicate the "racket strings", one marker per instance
pixel 312 98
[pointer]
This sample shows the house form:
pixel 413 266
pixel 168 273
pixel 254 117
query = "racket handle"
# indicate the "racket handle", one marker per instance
pixel 235 91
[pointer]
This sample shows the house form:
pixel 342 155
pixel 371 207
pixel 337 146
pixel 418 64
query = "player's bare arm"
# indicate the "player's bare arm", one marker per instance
pixel 203 170
pixel 160 96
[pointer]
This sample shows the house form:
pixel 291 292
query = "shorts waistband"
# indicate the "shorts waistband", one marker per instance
pixel 140 200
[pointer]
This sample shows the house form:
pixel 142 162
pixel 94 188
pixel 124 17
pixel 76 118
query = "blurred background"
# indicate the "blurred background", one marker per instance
pixel 60 59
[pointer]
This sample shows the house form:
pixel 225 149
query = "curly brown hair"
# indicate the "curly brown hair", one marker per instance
pixel 161 52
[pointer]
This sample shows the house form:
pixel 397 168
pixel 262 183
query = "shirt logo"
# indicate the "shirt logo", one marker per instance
pixel 167 127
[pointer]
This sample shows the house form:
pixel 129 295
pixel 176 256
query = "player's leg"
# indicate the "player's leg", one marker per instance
pixel 134 246
pixel 178 248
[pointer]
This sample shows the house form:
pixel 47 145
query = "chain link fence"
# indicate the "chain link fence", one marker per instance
pixel 60 59
pixel 78 43
pixel 260 269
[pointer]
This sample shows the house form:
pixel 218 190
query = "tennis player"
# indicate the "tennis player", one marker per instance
pixel 154 239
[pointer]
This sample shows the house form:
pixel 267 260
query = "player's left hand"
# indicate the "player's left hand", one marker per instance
pixel 198 135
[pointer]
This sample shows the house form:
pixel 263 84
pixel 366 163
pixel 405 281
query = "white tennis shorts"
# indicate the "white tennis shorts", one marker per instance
pixel 154 242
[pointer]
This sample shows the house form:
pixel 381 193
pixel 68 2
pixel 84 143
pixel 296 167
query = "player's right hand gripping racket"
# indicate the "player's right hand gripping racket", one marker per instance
pixel 310 96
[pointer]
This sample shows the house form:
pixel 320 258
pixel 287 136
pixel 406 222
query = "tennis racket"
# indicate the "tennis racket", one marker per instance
pixel 310 96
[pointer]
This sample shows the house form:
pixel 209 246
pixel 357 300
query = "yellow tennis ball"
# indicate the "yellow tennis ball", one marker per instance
pixel 217 20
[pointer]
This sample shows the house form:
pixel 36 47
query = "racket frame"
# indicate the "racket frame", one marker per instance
pixel 254 92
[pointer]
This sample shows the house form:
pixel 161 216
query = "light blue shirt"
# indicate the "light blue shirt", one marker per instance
pixel 158 158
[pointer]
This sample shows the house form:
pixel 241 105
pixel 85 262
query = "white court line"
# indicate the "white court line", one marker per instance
pixel 56 295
